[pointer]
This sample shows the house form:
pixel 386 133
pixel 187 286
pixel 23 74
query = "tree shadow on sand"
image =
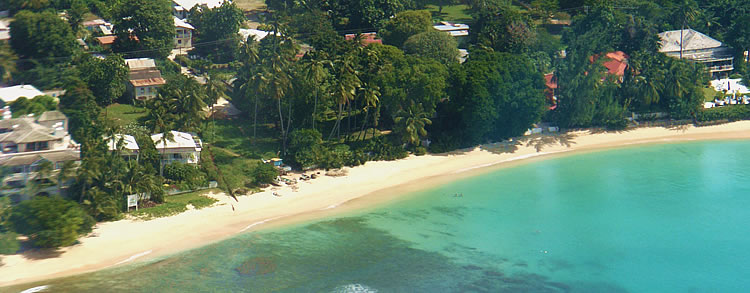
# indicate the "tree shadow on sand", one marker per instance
pixel 30 252
pixel 538 142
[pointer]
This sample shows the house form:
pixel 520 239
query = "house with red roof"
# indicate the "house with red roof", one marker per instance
pixel 616 62
pixel 367 38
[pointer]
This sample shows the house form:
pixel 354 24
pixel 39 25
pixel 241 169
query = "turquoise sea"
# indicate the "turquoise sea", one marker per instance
pixel 658 218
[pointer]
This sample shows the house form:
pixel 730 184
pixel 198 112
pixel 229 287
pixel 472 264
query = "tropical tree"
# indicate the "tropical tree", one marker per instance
pixel 66 172
pixel 105 77
pixel 433 44
pixel 404 25
pixel 218 26
pixel 411 123
pixel 41 35
pixel 41 178
pixel 160 119
pixel 344 88
pixel 50 221
pixel 146 26
pixel 76 14
pixel 314 70
pixel 7 62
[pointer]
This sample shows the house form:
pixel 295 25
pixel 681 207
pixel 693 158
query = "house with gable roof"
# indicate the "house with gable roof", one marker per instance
pixel 181 8
pixel 183 148
pixel 26 143
pixel 144 78
pixel 693 45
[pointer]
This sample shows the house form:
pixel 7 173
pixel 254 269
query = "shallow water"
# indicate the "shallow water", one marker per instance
pixel 663 218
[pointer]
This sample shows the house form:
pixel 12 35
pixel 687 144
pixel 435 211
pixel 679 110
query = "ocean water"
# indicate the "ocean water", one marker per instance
pixel 659 218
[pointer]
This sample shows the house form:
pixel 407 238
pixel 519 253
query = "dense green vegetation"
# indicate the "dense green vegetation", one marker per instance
pixel 175 204
pixel 316 100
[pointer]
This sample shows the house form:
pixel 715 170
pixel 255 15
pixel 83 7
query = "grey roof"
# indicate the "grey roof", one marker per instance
pixel 140 63
pixel 25 130
pixel 691 40
pixel 144 74
pixel 54 157
pixel 51 116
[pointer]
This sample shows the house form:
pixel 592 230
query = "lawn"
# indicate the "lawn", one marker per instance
pixel 249 5
pixel 455 13
pixel 123 114
pixel 175 204
pixel 236 153
pixel 709 94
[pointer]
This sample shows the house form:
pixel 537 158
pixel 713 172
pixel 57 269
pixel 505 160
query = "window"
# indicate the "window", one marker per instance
pixel 37 146
pixel 179 41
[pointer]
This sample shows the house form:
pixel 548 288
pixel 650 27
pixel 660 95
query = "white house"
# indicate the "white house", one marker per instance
pixel 698 47
pixel 126 144
pixel 181 8
pixel 4 30
pixel 459 31
pixel 12 93
pixel 247 32
pixel 26 143
pixel 183 34
pixel 144 78
pixel 183 148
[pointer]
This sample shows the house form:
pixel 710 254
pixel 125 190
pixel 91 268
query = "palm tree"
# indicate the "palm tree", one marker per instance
pixel 67 172
pixel 250 79
pixel 314 72
pixel 43 171
pixel 370 97
pixel 215 89
pixel 686 13
pixel 410 123
pixel 344 89
pixel 160 120
pixel 190 103
pixel 7 62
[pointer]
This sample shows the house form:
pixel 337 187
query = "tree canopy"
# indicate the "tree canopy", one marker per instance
pixel 144 27
pixel 50 221
pixel 41 35
pixel 404 25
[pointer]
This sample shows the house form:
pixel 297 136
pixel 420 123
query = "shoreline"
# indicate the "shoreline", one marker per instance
pixel 127 241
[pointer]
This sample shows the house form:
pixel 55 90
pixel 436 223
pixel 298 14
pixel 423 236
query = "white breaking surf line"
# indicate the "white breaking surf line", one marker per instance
pixel 35 289
pixel 133 257
pixel 259 223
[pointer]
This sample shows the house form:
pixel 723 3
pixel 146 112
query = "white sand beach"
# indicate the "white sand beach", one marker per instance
pixel 126 241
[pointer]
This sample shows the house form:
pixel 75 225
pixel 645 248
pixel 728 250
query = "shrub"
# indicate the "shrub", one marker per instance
pixel 185 174
pixel 8 243
pixel 264 174
pixel 731 113
pixel 420 151
pixel 50 221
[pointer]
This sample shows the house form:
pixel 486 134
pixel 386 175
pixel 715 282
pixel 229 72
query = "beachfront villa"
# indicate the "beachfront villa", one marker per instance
pixel 183 148
pixel 693 45
pixel 28 142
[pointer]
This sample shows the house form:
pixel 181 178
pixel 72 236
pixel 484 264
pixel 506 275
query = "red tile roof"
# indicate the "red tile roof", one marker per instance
pixel 367 38
pixel 550 81
pixel 616 62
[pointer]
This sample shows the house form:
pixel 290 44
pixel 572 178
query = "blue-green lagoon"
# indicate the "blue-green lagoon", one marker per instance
pixel 658 218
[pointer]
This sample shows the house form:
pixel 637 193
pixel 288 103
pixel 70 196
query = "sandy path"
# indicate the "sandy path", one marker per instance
pixel 125 241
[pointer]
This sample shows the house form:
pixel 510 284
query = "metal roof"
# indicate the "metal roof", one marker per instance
pixel 12 93
pixel 691 40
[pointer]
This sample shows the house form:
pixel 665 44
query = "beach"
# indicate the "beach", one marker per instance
pixel 126 241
